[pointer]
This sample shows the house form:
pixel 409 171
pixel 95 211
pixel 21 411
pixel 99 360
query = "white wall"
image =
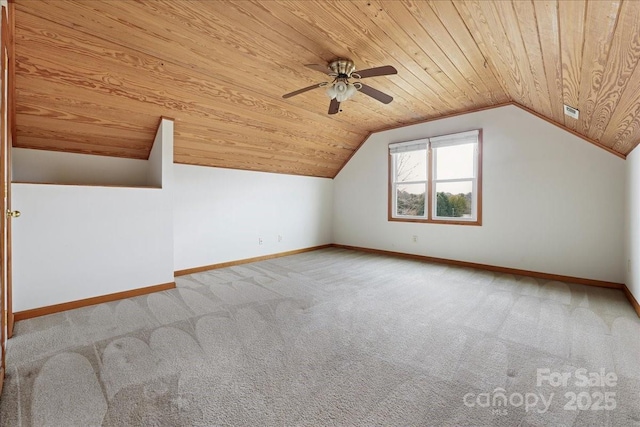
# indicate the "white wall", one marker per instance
pixel 632 223
pixel 219 214
pixel 74 242
pixel 551 202
pixel 40 166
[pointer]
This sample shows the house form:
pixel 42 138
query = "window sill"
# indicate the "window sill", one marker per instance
pixel 477 223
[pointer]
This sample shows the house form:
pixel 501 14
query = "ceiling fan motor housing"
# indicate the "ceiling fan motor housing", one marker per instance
pixel 342 67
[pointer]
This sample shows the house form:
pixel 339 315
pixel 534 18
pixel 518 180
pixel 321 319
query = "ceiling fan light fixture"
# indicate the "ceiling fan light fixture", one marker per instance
pixel 331 92
pixel 341 90
pixel 351 90
pixel 340 87
pixel 341 98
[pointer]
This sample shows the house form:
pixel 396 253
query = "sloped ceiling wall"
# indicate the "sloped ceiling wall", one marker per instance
pixel 94 76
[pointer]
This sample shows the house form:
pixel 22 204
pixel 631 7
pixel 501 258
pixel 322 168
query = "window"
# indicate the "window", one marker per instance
pixel 437 179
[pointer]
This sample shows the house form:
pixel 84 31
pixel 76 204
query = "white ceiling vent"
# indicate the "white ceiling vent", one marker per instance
pixel 571 112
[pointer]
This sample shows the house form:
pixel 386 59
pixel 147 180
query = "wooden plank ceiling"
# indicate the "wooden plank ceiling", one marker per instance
pixel 95 76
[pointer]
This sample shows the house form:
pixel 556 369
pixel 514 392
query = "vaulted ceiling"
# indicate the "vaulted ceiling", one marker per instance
pixel 95 76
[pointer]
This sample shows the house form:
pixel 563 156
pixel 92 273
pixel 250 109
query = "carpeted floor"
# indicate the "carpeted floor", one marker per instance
pixel 334 338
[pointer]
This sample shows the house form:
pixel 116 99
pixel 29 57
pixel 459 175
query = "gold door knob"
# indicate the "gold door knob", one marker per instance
pixel 13 214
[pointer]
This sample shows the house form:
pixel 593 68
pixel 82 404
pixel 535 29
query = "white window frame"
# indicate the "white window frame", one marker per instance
pixel 432 144
pixel 417 145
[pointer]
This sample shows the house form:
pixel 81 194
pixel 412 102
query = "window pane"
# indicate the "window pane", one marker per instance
pixel 455 161
pixel 454 199
pixel 411 166
pixel 410 199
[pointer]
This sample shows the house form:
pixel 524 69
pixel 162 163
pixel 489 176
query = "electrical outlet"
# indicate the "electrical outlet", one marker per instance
pixel 259 240
pixel 414 239
pixel 279 238
pixel 628 266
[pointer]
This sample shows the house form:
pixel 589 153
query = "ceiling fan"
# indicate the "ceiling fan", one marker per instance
pixel 341 89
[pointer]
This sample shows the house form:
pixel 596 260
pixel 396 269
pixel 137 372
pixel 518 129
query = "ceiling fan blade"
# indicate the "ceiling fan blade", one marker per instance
pixel 376 94
pixel 299 91
pixel 319 67
pixel 377 71
pixel 334 106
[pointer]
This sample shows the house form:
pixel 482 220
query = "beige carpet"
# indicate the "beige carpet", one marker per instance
pixel 333 338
